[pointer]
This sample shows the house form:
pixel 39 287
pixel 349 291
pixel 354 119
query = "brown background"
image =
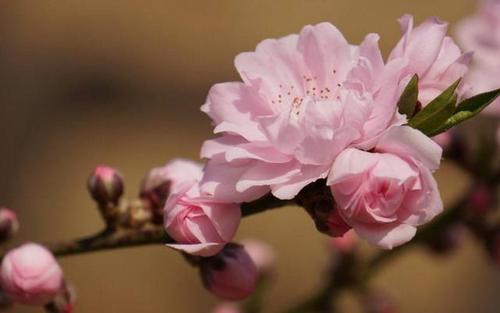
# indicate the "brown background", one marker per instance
pixel 121 82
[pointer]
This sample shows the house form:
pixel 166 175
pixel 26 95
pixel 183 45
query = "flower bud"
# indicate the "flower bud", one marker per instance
pixel 231 274
pixel 261 253
pixel 31 275
pixel 9 225
pixel 105 185
pixel 162 181
pixel 226 308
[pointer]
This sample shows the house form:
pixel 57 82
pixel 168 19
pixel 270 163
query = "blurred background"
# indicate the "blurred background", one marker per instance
pixel 121 82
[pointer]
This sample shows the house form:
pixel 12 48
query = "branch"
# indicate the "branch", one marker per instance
pixel 123 237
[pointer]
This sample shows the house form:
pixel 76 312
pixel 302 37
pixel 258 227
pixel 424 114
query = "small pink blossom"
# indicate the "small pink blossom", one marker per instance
pixel 178 173
pixel 31 275
pixel 231 274
pixel 200 224
pixel 385 194
pixel 9 224
pixel 481 33
pixel 428 52
pixel 304 99
pixel 161 181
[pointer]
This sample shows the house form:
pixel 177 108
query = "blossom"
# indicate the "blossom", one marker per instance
pixel 31 275
pixel 433 56
pixel 231 274
pixel 161 181
pixel 385 194
pixel 303 100
pixel 200 224
pixel 481 33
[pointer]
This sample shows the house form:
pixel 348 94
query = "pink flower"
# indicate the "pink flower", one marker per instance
pixel 481 33
pixel 200 224
pixel 304 99
pixel 428 52
pixel 161 181
pixel 384 195
pixel 30 275
pixel 231 274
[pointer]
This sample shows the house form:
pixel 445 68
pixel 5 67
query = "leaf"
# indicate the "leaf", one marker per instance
pixel 467 109
pixel 409 98
pixel 437 112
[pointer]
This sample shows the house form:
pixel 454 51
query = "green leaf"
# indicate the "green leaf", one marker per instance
pixel 409 98
pixel 437 112
pixel 467 109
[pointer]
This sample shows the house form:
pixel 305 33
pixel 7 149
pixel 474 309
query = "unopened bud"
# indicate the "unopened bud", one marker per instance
pixel 162 181
pixel 31 275
pixel 105 185
pixel 261 253
pixel 231 274
pixel 9 225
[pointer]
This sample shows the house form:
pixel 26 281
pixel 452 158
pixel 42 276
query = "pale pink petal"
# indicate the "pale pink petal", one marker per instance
pixel 220 178
pixel 405 141
pixel 386 236
pixel 421 45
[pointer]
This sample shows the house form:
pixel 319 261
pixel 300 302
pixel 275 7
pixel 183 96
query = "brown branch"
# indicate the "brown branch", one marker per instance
pixel 123 237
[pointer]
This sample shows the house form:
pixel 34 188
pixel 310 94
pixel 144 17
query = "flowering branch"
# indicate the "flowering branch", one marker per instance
pixel 148 234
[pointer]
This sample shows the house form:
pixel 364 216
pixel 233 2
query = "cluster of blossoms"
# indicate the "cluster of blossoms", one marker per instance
pixel 313 107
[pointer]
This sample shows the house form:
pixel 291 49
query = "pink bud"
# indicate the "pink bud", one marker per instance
pixel 231 274
pixel 31 275
pixel 162 181
pixel 226 308
pixel 345 244
pixel 9 224
pixel 105 185
pixel 261 253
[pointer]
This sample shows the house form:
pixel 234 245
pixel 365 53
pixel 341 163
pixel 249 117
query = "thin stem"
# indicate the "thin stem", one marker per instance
pixel 149 234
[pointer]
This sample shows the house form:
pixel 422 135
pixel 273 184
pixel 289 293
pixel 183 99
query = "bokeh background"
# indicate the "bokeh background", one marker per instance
pixel 120 83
